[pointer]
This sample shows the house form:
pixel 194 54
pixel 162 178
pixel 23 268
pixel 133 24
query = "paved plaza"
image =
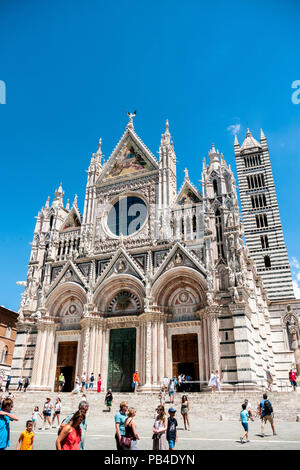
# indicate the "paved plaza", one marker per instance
pixel 206 433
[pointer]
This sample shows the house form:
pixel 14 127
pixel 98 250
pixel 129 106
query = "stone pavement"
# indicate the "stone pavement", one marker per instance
pixel 207 431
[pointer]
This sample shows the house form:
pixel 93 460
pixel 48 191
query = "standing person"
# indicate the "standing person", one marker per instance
pixel 83 407
pixel 171 391
pixel 26 438
pixel 218 382
pixel 120 419
pixel 109 399
pixel 269 379
pixel 35 415
pixel 20 384
pixel 99 382
pixel 266 413
pixel 47 410
pixel 179 382
pixel 175 384
pixel 61 382
pixel 159 430
pixel 244 415
pixel 83 381
pixel 130 429
pixel 70 436
pixel 57 411
pixel 5 417
pixel 293 379
pixel 171 431
pixel 92 378
pixel 8 380
pixel 185 408
pixel 162 396
pixel 26 383
pixel 136 380
pixel 212 381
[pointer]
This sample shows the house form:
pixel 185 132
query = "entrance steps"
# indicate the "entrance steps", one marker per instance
pixel 212 406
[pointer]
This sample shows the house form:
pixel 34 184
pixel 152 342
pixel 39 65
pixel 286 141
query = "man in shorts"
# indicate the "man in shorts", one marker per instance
pixel 266 413
pixel 269 379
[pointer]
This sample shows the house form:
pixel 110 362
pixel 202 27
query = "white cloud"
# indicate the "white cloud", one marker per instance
pixel 234 128
pixel 295 267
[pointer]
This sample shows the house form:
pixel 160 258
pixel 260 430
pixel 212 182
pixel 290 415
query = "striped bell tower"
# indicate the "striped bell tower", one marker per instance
pixel 263 229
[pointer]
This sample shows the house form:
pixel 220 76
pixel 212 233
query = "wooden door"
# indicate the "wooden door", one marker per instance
pixel 66 363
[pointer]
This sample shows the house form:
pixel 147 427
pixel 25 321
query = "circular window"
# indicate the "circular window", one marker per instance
pixel 127 216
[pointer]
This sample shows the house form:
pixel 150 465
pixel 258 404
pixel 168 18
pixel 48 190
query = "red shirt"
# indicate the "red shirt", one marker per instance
pixel 72 440
pixel 292 376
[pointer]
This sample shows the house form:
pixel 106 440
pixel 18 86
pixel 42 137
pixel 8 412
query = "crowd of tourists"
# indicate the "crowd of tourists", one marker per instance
pixel 72 429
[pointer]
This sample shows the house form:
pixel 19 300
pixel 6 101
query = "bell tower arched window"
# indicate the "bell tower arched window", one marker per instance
pixel 219 234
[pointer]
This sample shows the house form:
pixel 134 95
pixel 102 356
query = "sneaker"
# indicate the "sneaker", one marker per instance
pixel 241 440
pixel 248 440
pixel 262 434
pixel 275 434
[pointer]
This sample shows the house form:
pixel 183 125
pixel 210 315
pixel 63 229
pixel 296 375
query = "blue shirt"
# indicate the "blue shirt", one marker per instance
pixel 121 418
pixel 4 431
pixel 244 415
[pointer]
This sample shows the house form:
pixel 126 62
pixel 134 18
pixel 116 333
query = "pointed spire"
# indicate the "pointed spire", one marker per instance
pixel 68 205
pixel 47 203
pixel 99 151
pixel 236 142
pixel 262 135
pixel 75 200
pixel 204 163
pixel 186 174
pixel 248 132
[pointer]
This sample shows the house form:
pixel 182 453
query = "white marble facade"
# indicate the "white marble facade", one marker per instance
pixel 145 256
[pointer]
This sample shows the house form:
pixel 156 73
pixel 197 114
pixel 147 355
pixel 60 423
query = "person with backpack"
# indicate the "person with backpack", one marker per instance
pixel 266 413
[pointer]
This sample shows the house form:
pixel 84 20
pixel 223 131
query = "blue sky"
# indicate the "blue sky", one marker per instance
pixel 72 69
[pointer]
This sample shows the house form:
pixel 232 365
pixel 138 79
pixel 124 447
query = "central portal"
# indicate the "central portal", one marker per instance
pixel 121 364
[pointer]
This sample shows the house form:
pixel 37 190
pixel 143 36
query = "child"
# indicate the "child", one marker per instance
pixel 244 415
pixel 171 431
pixel 26 437
pixel 35 415
pixel 162 396
pixel 109 399
pixel 57 410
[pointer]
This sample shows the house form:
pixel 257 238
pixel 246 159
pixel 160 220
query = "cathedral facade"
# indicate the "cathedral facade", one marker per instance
pixel 152 279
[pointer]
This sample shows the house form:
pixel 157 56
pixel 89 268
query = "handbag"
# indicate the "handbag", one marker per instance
pixel 156 436
pixel 126 441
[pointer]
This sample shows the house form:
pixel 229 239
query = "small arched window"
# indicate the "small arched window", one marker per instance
pixel 215 186
pixel 4 354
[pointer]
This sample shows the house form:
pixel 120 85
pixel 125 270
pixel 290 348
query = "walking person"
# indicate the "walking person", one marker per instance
pixel 212 381
pixel 218 382
pixel 159 430
pixel 8 380
pixel 244 416
pixel 162 396
pixel 83 407
pixel 83 381
pixel 26 384
pixel 92 378
pixel 266 413
pixel 57 411
pixel 172 431
pixel 35 415
pixel 26 438
pixel 293 379
pixel 136 380
pixel 185 408
pixel 249 409
pixel 47 411
pixel 108 399
pixel 120 419
pixel 20 384
pixel 70 436
pixel 77 386
pixel 5 417
pixel 61 382
pixel 269 379
pixel 99 382
pixel 130 429
pixel 171 390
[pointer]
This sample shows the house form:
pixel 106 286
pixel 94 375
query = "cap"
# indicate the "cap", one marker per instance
pixel 171 410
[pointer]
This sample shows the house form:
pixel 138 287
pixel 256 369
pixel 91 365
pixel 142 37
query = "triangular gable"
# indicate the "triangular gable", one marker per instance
pixel 130 157
pixel 69 273
pixel 121 263
pixel 188 194
pixel 177 257
pixel 73 220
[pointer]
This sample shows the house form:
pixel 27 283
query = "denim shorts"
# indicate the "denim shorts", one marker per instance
pixel 245 426
pixel 171 444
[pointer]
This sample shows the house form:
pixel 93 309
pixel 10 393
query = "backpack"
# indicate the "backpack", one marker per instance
pixel 268 409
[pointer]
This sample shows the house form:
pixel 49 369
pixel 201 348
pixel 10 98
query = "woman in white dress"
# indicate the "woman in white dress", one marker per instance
pixel 159 430
pixel 77 386
pixel 212 381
